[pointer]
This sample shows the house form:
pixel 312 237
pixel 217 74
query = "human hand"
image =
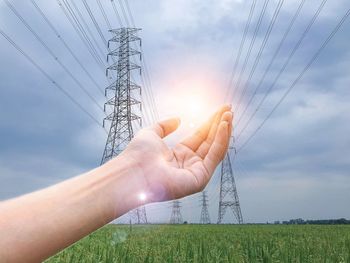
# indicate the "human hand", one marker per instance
pixel 171 173
pixel 74 208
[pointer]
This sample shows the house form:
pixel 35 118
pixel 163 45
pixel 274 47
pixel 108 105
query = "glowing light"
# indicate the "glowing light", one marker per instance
pixel 194 106
pixel 193 109
pixel 142 196
pixel 193 98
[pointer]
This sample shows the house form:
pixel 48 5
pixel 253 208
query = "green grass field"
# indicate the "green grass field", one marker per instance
pixel 212 243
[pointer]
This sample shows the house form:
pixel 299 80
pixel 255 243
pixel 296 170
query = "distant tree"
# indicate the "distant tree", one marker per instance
pixel 300 221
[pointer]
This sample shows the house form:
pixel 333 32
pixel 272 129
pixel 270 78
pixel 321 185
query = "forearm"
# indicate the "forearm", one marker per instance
pixel 49 220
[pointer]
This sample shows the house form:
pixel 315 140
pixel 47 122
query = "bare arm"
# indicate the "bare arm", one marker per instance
pixel 38 225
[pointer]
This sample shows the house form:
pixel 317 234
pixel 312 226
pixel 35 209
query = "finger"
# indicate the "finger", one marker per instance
pixel 230 126
pixel 218 148
pixel 205 146
pixel 164 128
pixel 197 138
pixel 226 116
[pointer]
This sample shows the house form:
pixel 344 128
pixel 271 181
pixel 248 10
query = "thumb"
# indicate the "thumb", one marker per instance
pixel 164 128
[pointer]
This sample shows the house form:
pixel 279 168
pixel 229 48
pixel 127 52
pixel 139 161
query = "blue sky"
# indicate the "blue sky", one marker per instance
pixel 296 166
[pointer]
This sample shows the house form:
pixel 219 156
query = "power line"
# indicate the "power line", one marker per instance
pixel 104 14
pixel 116 13
pixel 302 73
pixel 59 36
pixel 238 57
pixel 129 11
pixel 296 47
pixel 43 72
pixel 150 89
pixel 98 28
pixel 73 19
pixel 262 47
pixel 252 42
pixel 13 9
pixel 104 40
pixel 79 29
pixel 124 13
pixel 84 24
pixel 272 60
pixel 147 98
pixel 82 37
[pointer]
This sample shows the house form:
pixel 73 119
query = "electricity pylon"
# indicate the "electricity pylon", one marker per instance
pixel 228 192
pixel 123 114
pixel 176 217
pixel 205 218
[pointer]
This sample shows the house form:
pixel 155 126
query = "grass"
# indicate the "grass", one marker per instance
pixel 212 243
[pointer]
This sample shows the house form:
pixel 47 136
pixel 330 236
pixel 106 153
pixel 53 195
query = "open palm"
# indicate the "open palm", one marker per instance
pixel 187 168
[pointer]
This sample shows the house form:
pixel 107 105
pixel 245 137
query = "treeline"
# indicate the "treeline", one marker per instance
pixel 300 221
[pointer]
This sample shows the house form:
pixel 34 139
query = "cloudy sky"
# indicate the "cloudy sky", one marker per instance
pixel 298 163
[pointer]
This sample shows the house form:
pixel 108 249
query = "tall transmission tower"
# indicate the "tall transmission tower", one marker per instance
pixel 228 192
pixel 205 219
pixel 123 114
pixel 176 217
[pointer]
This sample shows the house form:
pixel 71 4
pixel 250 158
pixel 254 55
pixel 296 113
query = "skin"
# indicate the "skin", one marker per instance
pixel 35 226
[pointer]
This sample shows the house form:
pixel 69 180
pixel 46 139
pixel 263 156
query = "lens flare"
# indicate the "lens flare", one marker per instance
pixel 193 98
pixel 142 196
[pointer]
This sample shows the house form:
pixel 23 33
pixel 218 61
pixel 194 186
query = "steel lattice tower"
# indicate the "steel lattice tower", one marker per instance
pixel 228 192
pixel 205 218
pixel 176 217
pixel 123 102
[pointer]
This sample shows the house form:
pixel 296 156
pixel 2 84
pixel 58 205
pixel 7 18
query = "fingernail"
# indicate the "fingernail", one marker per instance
pixel 225 123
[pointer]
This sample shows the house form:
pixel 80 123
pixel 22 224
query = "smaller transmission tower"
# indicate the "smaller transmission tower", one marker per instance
pixel 228 192
pixel 205 219
pixel 176 217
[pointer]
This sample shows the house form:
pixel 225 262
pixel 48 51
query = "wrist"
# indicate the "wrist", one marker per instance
pixel 125 187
